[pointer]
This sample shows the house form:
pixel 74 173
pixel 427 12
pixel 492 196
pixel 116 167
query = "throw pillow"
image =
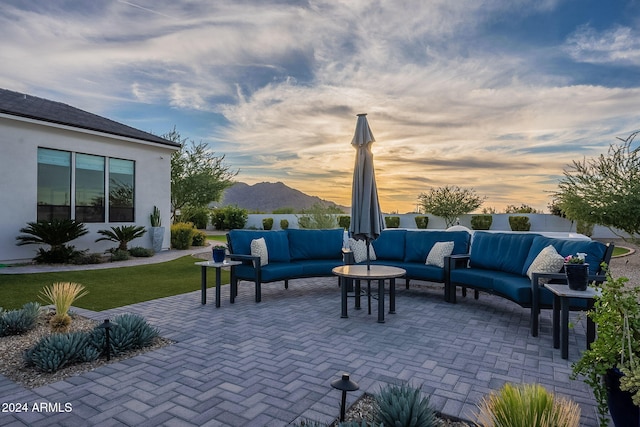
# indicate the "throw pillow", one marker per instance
pixel 259 248
pixel 438 252
pixel 359 249
pixel 547 261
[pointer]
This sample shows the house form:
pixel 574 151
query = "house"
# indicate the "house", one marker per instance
pixel 58 161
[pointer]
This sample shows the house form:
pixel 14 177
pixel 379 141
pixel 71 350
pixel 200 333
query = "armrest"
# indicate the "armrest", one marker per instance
pixel 255 260
pixel 451 262
pixel 348 257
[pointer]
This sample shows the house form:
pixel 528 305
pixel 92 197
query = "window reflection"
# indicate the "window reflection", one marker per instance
pixel 54 184
pixel 121 179
pixel 89 188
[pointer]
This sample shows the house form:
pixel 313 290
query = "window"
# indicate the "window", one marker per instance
pixel 75 185
pixel 89 188
pixel 54 184
pixel 121 190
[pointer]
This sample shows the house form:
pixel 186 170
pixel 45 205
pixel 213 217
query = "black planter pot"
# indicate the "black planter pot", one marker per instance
pixel 577 276
pixel 623 412
pixel 218 255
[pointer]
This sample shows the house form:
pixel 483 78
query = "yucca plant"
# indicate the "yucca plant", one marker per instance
pixel 122 235
pixel 55 233
pixel 404 406
pixel 527 405
pixel 62 295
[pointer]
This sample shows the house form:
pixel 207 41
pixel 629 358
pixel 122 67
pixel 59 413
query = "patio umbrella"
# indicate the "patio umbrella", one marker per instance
pixel 366 218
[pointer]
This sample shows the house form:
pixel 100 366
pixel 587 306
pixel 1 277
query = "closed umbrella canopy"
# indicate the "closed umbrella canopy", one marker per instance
pixel 366 217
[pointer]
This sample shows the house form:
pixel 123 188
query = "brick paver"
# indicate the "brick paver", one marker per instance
pixel 271 364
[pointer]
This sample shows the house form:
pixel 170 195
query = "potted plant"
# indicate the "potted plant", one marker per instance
pixel 612 358
pixel 157 231
pixel 219 252
pixel 577 271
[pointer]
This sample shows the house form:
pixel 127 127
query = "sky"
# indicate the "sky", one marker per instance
pixel 499 96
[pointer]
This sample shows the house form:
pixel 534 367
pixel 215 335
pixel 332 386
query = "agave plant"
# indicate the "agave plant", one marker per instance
pixel 404 406
pixel 62 295
pixel 122 235
pixel 55 233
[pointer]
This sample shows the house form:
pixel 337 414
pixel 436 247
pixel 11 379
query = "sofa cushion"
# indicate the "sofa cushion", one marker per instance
pixel 513 286
pixel 277 243
pixel 259 249
pixel 359 249
pixel 318 267
pixel 280 271
pixel 438 252
pixel 418 244
pixel 594 250
pixel 390 245
pixel 475 277
pixel 501 251
pixel 547 261
pixel 315 244
pixel 423 271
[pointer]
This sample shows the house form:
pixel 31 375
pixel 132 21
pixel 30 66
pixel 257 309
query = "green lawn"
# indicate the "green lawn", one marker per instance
pixel 113 287
pixel 617 251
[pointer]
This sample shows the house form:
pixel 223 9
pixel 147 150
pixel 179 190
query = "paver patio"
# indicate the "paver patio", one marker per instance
pixel 271 364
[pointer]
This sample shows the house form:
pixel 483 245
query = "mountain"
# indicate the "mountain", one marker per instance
pixel 268 196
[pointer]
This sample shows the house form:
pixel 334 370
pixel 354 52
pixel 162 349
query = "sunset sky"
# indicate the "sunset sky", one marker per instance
pixel 495 95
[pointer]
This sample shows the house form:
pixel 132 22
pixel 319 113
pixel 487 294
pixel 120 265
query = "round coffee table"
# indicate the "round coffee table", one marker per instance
pixel 373 272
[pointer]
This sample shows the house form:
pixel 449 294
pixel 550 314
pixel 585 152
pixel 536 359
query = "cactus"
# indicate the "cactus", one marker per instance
pixel 403 406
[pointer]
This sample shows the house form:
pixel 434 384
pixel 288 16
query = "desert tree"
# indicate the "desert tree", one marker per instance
pixel 449 202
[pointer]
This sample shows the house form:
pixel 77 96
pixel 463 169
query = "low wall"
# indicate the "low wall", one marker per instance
pixel 539 222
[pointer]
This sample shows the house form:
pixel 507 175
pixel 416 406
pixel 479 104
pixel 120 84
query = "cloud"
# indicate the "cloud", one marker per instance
pixel 277 85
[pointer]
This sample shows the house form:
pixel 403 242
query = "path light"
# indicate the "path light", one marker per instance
pixel 344 384
pixel 107 327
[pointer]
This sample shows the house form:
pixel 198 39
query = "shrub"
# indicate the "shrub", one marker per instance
pixel 267 223
pixel 62 295
pixel 318 216
pixel 229 217
pixel 128 332
pixel 402 406
pixel 58 350
pixel 87 258
pixel 527 405
pixel 344 221
pixel 392 221
pixel 55 233
pixel 119 255
pixel 481 222
pixel 122 235
pixel 141 252
pixel 199 238
pixel 284 224
pixel 422 222
pixel 519 223
pixel 198 216
pixel 182 235
pixel 16 322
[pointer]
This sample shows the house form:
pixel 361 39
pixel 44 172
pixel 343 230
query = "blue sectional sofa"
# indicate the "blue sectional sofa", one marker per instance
pixel 498 264
pixel 408 249
pixel 299 253
pixel 292 254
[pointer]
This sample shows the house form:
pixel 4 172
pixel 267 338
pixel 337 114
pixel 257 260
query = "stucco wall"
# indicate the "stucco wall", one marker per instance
pixel 20 139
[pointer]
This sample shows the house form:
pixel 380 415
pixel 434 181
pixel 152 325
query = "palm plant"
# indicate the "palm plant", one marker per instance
pixel 122 235
pixel 55 233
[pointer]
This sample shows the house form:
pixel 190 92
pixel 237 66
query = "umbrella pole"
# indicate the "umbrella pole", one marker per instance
pixel 368 257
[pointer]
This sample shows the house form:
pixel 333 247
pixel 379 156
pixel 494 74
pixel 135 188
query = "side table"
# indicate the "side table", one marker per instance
pixel 375 272
pixel 561 296
pixel 218 266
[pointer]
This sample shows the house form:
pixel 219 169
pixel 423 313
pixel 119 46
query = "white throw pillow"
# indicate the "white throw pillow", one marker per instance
pixel 359 249
pixel 547 261
pixel 438 252
pixel 259 248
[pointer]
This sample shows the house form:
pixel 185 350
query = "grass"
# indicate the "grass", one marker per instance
pixel 218 238
pixel 112 287
pixel 618 251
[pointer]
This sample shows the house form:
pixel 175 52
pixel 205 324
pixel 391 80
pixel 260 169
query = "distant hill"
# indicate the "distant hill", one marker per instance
pixel 268 196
